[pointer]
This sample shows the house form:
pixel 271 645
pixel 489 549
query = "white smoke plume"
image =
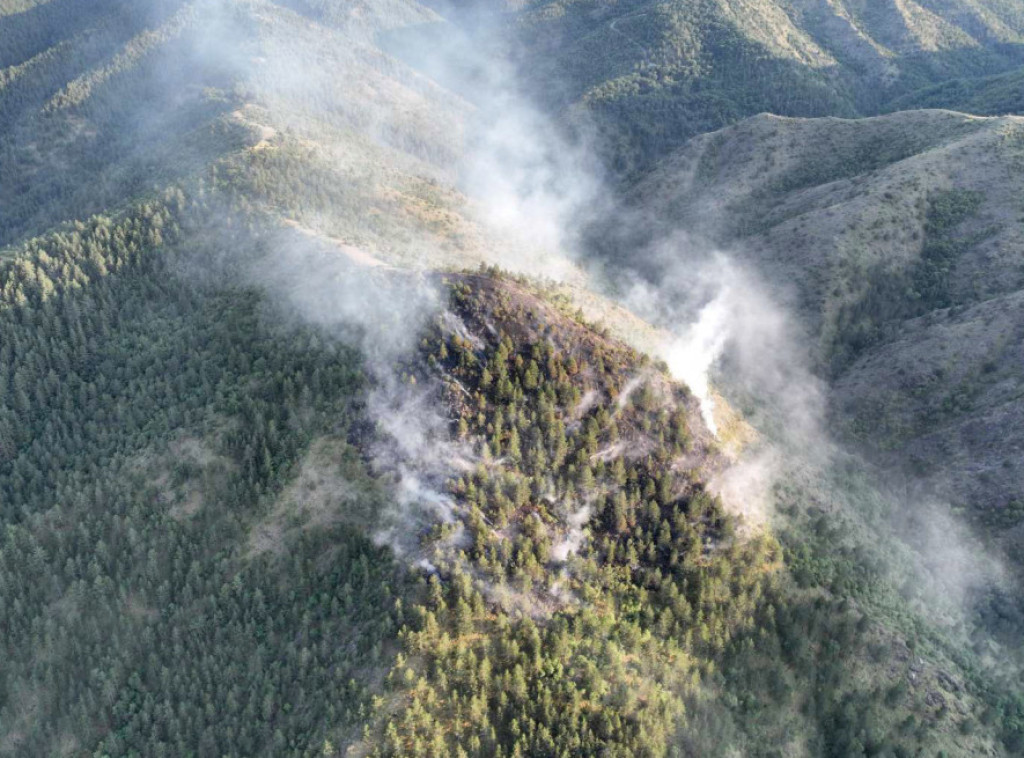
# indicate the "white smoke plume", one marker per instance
pixel 736 336
pixel 535 189
pixel 414 448
pixel 575 534
pixel 527 185
pixel 532 187
pixel 457 114
pixel 692 355
pixel 746 487
pixel 382 312
pixel 720 316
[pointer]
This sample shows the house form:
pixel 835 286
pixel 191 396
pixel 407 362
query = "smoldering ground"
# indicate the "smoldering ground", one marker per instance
pixel 734 334
pixel 540 189
pixel 521 177
pixel 383 313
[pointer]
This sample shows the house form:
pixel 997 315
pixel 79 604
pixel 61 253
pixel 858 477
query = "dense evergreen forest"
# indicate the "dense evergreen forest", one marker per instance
pixel 130 561
pixel 215 543
pixel 147 422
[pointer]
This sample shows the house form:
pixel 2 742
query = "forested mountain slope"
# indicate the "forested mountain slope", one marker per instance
pixel 285 471
pixel 194 495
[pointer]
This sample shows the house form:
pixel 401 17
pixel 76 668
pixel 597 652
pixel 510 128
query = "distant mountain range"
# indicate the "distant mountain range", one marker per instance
pixel 656 73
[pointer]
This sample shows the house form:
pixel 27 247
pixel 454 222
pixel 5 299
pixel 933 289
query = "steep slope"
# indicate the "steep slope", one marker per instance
pixel 898 239
pixel 272 485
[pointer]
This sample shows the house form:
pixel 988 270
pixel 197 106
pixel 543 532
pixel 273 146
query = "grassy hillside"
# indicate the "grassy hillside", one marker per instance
pixel 95 111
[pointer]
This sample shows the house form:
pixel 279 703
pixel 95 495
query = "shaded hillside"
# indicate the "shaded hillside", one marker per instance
pixel 131 470
pixel 92 113
pixel 987 96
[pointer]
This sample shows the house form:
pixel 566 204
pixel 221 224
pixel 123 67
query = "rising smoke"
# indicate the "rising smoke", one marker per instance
pixel 526 186
pixel 382 312
pixel 455 111
pixel 534 189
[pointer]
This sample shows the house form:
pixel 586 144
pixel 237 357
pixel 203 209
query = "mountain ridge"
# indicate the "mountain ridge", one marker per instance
pixel 262 495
